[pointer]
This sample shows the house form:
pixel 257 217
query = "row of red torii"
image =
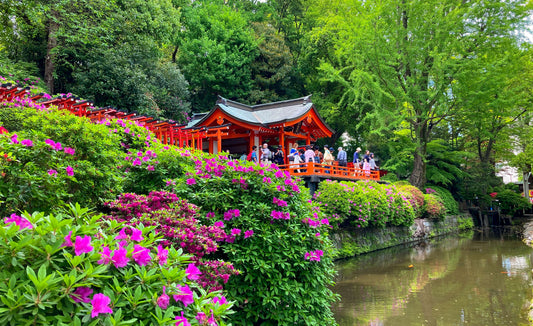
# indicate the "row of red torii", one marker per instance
pixel 168 132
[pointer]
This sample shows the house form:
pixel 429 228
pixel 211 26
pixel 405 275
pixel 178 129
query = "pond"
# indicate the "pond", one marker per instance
pixel 474 279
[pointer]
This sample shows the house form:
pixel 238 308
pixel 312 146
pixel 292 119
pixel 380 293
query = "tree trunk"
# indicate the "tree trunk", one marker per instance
pixel 49 61
pixel 418 176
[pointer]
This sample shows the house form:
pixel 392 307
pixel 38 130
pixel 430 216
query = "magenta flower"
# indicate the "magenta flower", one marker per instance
pixel 211 321
pixel 235 232
pixel 137 235
pixel 100 303
pixel 192 272
pixel 68 240
pixel 163 299
pixel 220 300
pixel 119 258
pixel 141 255
pixel 185 295
pixel 248 233
pixel 52 172
pixel 191 181
pixel 137 161
pixel 22 222
pixel 121 234
pixel 27 142
pixel 82 245
pixel 162 255
pixel 182 321
pixel 70 170
pixel 219 224
pixel 150 168
pixel 201 317
pixel 105 256
pixel 82 294
pixel 57 146
pixel 69 150
pixel 14 139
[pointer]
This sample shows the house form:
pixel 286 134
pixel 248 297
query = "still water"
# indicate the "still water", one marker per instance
pixel 477 279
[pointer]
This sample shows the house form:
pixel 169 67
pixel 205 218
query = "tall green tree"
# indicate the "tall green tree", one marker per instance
pixel 216 48
pixel 399 60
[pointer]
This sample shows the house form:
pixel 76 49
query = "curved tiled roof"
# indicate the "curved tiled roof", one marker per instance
pixel 261 114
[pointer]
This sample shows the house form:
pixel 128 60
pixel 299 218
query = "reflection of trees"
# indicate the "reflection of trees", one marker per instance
pixel 453 282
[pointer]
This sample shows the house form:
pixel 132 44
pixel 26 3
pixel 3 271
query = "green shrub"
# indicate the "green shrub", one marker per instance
pixel 415 196
pixel 76 269
pixel 465 223
pixel 286 260
pixel 511 202
pixel 35 172
pixel 451 205
pixel 433 207
pixel 364 203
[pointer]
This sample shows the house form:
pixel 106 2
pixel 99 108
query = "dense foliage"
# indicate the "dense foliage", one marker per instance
pixel 365 203
pixel 440 102
pixel 74 268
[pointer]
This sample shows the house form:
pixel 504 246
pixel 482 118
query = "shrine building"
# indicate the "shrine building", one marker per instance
pixel 235 127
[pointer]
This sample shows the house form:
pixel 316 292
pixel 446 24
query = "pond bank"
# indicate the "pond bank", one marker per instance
pixel 353 241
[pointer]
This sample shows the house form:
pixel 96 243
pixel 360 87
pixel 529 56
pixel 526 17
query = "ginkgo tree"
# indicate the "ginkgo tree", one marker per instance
pixel 401 60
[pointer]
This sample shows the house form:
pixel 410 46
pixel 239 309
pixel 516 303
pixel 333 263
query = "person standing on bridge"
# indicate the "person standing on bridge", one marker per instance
pixel 356 158
pixel 309 154
pixel 342 157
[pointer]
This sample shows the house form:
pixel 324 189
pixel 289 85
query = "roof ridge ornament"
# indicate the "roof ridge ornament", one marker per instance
pixel 306 99
pixel 222 100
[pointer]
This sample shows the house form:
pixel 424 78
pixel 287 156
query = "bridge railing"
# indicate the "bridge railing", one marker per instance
pixel 324 170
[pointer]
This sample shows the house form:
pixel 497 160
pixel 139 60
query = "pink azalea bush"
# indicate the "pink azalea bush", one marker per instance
pixel 270 226
pixel 86 272
pixel 176 221
pixel 364 204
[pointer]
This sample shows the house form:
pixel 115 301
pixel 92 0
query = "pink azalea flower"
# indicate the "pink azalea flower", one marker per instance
pixel 235 231
pixel 68 240
pixel 211 321
pixel 14 139
pixel 141 255
pixel 219 224
pixel 100 303
pixel 150 168
pixel 163 299
pixel 162 255
pixel 137 161
pixel 27 142
pixel 69 150
pixel 220 300
pixel 248 233
pixel 22 222
pixel 52 172
pixel 70 170
pixel 119 258
pixel 192 272
pixel 105 256
pixel 185 295
pixel 191 181
pixel 137 235
pixel 82 294
pixel 57 146
pixel 182 321
pixel 82 245
pixel 121 234
pixel 201 317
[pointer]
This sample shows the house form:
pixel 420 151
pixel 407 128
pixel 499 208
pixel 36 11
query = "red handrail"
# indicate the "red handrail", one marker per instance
pixel 324 170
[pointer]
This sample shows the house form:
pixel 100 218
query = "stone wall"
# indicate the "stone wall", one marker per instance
pixel 351 242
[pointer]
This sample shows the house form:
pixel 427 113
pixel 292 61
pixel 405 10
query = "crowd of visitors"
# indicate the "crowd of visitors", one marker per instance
pixel 300 154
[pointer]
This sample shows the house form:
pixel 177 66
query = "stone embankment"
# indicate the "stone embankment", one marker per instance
pixel 351 242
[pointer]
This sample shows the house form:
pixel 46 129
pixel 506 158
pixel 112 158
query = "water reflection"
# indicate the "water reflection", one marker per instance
pixel 483 279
